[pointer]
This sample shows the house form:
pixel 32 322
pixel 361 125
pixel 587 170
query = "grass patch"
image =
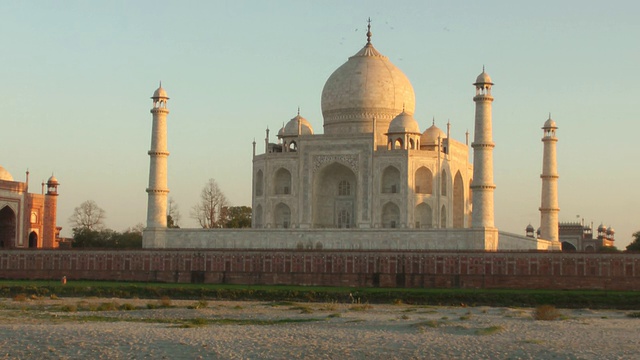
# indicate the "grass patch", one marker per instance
pixel 429 324
pixel 532 341
pixel 201 304
pixel 304 309
pixel 489 330
pixel 546 313
pixel 634 315
pixel 334 315
pixel 107 306
pixel 127 307
pixel 593 299
pixel 69 308
pixel 361 307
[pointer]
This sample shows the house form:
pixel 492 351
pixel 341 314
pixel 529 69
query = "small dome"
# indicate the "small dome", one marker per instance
pixel 430 136
pixel 5 175
pixel 404 123
pixel 602 228
pixel 483 78
pixel 53 181
pixel 530 228
pixel 550 124
pixel 291 129
pixel 160 93
pixel 610 230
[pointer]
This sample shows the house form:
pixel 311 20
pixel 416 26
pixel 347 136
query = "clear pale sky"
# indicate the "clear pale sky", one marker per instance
pixel 76 77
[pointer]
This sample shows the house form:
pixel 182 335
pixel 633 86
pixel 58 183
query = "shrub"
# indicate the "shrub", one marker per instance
pixel 202 304
pixel 361 307
pixel 20 297
pixel 164 301
pixel 489 330
pixel 53 297
pixel 107 306
pixel 69 308
pixel 546 312
pixel 127 306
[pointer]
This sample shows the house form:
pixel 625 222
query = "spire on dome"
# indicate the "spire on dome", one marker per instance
pixel 369 31
pixel 298 110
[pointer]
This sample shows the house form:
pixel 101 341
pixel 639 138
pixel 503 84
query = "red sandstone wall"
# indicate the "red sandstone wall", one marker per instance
pixel 338 268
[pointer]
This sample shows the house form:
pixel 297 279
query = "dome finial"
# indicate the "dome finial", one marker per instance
pixel 549 115
pixel 403 104
pixel 369 31
pixel 298 110
pixel 433 121
pixel 482 67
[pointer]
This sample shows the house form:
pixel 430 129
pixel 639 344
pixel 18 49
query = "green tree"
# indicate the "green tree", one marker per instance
pixel 236 217
pixel 635 244
pixel 107 238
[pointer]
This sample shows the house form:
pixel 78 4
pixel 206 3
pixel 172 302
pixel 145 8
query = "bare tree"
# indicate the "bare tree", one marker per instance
pixel 88 216
pixel 208 210
pixel 173 214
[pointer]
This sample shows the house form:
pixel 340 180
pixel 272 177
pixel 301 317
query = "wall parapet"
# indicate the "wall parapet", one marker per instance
pixel 407 268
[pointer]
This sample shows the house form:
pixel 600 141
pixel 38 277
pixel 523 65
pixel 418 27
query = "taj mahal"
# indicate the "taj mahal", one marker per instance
pixel 372 180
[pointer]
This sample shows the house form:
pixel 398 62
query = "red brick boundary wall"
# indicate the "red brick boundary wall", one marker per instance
pixel 428 269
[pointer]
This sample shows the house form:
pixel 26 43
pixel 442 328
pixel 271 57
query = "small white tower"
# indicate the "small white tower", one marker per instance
pixel 157 190
pixel 483 186
pixel 549 202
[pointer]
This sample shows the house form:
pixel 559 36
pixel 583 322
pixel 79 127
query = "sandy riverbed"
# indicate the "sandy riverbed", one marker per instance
pixel 76 329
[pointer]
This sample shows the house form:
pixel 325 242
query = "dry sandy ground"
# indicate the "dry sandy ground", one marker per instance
pixel 50 329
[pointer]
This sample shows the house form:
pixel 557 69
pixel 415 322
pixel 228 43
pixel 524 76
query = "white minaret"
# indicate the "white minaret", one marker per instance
pixel 549 203
pixel 482 186
pixel 157 206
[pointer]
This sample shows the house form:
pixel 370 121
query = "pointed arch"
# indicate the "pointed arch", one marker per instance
pixel 424 216
pixel 458 201
pixel 7 227
pixel 33 240
pixel 423 181
pixel 282 214
pixel 282 182
pixel 391 180
pixel 443 217
pixel 390 215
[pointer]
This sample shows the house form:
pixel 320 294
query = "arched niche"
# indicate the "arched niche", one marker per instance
pixel 390 215
pixel 282 182
pixel 390 180
pixel 423 181
pixel 458 201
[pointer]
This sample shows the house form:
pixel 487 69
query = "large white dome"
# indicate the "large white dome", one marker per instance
pixel 367 86
pixel 5 175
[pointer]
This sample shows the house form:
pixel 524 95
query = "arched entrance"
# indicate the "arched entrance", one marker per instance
pixel 334 197
pixel 567 246
pixel 7 228
pixel 33 240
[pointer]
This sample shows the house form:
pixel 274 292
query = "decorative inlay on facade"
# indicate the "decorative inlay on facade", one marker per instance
pixel 350 160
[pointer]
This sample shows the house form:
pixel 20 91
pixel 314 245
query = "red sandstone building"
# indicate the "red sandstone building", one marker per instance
pixel 27 220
